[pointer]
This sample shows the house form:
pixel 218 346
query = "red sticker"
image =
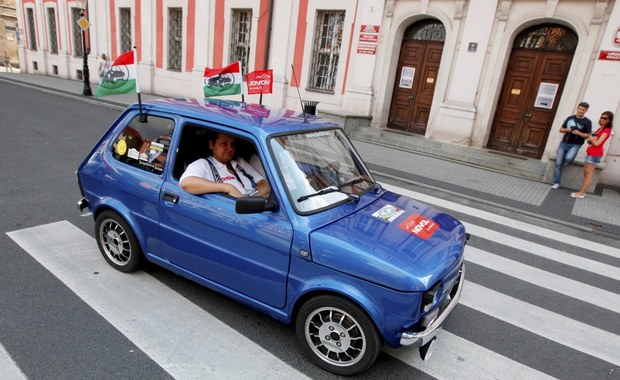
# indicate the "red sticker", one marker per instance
pixel 419 226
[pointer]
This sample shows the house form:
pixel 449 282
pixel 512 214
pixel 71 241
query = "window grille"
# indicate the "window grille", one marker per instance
pixel 240 38
pixel 51 21
pixel 326 50
pixel 32 30
pixel 125 14
pixel 76 13
pixel 547 37
pixel 426 30
pixel 175 39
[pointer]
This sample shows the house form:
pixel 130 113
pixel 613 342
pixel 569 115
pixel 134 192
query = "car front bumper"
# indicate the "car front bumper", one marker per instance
pixel 421 338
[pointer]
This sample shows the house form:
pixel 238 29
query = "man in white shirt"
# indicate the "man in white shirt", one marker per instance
pixel 219 173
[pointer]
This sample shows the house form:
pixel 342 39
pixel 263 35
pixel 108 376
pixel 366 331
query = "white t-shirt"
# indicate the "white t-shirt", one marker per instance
pixel 247 174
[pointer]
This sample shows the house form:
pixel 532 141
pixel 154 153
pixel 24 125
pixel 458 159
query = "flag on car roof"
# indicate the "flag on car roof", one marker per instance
pixel 224 81
pixel 260 82
pixel 122 77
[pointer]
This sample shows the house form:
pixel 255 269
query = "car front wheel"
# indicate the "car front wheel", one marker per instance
pixel 337 335
pixel 117 242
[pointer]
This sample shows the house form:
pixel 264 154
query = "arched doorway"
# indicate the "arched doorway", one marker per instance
pixel 418 65
pixel 539 63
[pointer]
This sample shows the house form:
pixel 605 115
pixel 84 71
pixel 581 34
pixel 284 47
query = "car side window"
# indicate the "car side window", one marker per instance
pixel 195 146
pixel 144 144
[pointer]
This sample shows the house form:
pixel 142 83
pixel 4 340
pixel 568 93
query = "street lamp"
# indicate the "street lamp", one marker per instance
pixel 85 73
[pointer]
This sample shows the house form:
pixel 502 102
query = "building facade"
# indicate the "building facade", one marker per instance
pixel 494 74
pixel 8 30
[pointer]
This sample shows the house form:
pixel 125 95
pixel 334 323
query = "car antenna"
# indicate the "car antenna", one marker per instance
pixel 298 93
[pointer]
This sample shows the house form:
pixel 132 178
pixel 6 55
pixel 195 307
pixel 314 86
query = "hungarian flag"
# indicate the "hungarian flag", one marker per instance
pixel 260 82
pixel 224 81
pixel 122 77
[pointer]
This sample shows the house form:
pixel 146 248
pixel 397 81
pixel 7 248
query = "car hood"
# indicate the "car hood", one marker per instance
pixel 396 242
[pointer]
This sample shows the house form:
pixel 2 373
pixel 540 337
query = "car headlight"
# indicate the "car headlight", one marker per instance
pixel 431 297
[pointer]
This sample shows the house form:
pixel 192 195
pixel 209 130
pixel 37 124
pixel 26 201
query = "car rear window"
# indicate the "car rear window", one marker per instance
pixel 144 144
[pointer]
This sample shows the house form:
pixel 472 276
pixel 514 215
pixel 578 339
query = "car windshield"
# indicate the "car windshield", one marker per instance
pixel 319 169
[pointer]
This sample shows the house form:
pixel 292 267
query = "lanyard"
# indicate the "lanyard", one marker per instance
pixel 217 178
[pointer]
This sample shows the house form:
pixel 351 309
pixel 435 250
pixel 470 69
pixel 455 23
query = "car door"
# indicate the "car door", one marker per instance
pixel 203 235
pixel 134 172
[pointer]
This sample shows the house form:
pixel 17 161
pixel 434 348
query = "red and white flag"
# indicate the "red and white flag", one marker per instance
pixel 122 77
pixel 260 82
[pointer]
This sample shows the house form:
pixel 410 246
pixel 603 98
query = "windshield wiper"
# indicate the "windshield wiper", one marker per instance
pixel 332 189
pixel 355 181
pixel 327 190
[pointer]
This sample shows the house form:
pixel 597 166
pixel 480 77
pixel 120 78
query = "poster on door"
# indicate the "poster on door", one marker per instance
pixel 406 77
pixel 546 95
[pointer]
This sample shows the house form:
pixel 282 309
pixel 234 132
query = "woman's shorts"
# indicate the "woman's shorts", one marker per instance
pixel 592 159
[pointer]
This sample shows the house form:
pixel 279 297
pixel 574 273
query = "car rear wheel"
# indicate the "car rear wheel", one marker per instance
pixel 117 242
pixel 337 335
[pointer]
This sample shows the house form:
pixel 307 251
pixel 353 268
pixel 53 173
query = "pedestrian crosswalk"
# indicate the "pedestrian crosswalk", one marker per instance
pixel 188 342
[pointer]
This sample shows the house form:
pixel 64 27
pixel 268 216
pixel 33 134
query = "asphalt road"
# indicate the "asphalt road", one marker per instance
pixel 521 317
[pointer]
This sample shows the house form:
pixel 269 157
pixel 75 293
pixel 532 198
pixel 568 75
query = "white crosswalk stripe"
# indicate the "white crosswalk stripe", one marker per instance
pixel 73 257
pixel 457 358
pixel 174 332
pixel 8 368
pixel 558 284
pixel 553 326
pixel 546 252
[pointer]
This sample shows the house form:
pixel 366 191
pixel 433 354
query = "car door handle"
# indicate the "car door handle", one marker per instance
pixel 171 197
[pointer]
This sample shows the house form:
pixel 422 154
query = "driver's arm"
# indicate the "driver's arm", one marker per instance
pixel 198 185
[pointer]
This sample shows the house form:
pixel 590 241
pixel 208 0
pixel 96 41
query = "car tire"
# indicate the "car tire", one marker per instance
pixel 117 242
pixel 337 335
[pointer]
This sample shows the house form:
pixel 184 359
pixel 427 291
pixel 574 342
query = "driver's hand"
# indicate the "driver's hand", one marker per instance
pixel 234 192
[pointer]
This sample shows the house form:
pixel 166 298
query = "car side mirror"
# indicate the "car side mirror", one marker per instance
pixel 253 205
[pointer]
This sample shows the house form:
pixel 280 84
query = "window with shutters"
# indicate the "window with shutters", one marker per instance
pixel 326 50
pixel 31 30
pixel 175 39
pixel 240 39
pixel 78 51
pixel 125 22
pixel 51 23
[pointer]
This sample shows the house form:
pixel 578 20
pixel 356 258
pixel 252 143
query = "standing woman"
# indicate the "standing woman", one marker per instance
pixel 104 65
pixel 594 153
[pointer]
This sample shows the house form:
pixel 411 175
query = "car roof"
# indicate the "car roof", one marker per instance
pixel 254 118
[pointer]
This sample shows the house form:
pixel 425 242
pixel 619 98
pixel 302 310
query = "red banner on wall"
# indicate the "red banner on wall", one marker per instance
pixel 609 55
pixel 260 82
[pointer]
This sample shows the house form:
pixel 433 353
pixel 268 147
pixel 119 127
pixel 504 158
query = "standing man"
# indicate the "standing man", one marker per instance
pixel 576 129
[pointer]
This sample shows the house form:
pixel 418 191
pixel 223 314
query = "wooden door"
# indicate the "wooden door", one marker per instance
pixel 527 105
pixel 413 94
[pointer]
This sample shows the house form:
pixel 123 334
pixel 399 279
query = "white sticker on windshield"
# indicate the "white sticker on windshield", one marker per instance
pixel 388 213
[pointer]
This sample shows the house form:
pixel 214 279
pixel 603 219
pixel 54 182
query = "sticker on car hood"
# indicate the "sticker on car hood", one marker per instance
pixel 388 213
pixel 419 226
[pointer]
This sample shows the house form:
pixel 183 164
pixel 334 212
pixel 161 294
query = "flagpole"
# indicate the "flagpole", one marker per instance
pixel 143 118
pixel 241 70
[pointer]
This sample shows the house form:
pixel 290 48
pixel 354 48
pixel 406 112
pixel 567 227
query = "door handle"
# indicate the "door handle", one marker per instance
pixel 168 197
pixel 411 97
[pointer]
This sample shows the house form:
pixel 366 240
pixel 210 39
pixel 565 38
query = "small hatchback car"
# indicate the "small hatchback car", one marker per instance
pixel 328 249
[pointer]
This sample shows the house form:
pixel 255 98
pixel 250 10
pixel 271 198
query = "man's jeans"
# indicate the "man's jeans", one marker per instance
pixel 566 154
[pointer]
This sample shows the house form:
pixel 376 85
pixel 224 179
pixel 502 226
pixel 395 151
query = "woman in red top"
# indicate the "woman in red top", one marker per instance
pixel 594 153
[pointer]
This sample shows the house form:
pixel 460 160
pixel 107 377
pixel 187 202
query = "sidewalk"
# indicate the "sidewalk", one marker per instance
pixel 599 212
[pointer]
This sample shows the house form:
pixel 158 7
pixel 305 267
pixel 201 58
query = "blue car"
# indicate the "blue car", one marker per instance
pixel 350 264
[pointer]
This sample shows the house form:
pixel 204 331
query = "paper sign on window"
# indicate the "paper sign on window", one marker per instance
pixel 406 77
